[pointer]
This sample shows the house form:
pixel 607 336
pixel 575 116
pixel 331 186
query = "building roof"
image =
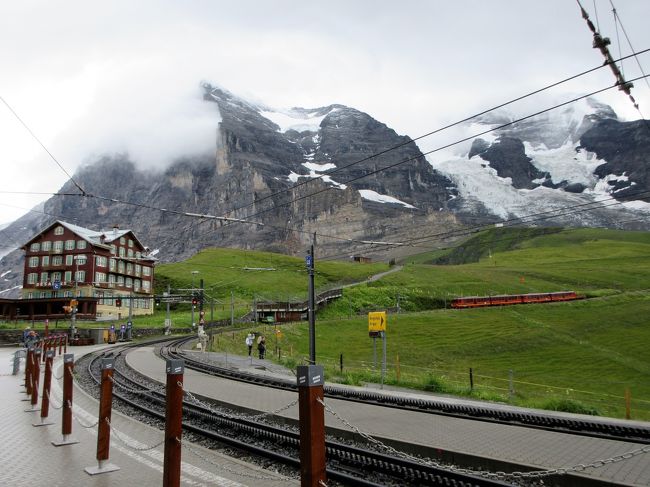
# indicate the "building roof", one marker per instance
pixel 94 237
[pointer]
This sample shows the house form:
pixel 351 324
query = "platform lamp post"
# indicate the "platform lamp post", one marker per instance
pixel 194 273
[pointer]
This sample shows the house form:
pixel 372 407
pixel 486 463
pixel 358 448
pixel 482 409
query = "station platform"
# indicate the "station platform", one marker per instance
pixel 30 459
pixel 451 437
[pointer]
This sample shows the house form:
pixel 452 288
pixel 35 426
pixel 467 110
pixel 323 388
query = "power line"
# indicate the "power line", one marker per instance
pixel 42 145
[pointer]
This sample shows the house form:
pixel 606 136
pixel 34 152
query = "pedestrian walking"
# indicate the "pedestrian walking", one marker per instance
pixel 250 339
pixel 261 346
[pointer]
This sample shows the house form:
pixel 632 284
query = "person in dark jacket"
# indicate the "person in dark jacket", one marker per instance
pixel 261 346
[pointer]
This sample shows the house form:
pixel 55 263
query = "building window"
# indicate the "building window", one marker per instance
pixel 45 261
pixel 113 249
pixel 136 284
pixel 70 244
pixel 120 267
pixel 44 276
pixel 111 280
pixel 122 240
pixel 138 269
pixel 101 261
pixel 122 252
pixel 129 268
pixel 146 285
pixel 120 281
pixel 58 230
pixel 138 255
pixel 112 264
pixel 129 253
pixel 81 259
pixel 129 282
pixel 67 276
pixel 146 271
pixel 81 244
pixel 56 276
pixel 58 246
pixel 32 278
pixel 100 277
pixel 67 294
pixel 33 261
pixel 35 247
pixel 80 276
pixel 46 246
pixel 30 295
pixel 57 260
pixel 68 259
pixel 45 294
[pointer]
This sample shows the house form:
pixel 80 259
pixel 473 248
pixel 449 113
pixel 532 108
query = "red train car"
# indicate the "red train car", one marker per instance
pixel 509 299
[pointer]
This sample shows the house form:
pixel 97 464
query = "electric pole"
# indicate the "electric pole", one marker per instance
pixel 312 311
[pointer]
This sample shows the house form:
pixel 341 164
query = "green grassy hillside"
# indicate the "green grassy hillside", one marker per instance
pixel 578 356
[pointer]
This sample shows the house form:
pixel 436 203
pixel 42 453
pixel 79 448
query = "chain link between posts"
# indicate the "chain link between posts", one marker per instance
pixel 186 445
pixel 76 418
pixel 49 398
pixel 251 417
pixel 155 389
pixel 536 474
pixel 119 436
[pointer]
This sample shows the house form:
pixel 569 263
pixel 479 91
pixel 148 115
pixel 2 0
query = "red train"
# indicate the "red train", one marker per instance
pixel 508 299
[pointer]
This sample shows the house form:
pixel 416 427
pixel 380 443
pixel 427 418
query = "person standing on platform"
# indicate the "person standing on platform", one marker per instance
pixel 250 339
pixel 261 346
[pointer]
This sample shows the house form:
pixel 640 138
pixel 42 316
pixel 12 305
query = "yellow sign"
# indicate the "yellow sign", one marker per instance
pixel 377 321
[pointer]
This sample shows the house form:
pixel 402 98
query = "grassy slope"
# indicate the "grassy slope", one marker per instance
pixel 588 351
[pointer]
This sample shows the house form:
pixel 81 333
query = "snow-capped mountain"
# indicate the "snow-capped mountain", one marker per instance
pixel 365 182
pixel 573 156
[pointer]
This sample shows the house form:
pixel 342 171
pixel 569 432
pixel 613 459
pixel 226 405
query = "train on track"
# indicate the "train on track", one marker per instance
pixel 510 299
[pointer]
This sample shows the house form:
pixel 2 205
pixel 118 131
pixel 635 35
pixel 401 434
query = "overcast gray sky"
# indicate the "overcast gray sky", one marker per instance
pixel 92 77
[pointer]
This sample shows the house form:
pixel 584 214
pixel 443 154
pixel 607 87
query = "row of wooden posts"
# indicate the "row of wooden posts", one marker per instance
pixel 310 405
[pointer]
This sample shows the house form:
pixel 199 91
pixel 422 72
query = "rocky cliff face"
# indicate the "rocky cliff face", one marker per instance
pixel 259 155
pixel 263 156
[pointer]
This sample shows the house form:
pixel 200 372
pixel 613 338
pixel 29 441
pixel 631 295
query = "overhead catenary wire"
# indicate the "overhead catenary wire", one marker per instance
pixel 42 145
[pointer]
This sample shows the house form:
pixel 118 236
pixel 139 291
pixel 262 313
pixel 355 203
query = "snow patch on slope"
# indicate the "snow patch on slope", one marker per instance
pixel 370 195
pixel 296 120
pixel 566 163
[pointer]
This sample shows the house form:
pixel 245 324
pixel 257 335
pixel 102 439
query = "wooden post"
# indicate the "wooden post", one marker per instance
pixel 29 359
pixel 173 424
pixel 104 428
pixel 47 381
pixel 36 376
pixel 628 403
pixel 341 363
pixel 312 425
pixel 471 379
pixel 66 410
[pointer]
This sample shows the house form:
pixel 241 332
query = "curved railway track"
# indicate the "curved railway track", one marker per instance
pixel 557 423
pixel 349 465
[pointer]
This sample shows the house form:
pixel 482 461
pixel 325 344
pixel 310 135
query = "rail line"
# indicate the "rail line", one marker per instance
pixel 347 464
pixel 556 423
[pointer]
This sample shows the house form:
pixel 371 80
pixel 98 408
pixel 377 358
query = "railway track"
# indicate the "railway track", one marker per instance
pixel 347 464
pixel 557 423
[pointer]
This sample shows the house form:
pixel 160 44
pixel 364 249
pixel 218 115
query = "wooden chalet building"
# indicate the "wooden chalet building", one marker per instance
pixel 107 273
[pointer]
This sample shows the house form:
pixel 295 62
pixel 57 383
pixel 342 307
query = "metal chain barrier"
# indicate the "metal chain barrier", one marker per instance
pixel 186 445
pixel 536 474
pixel 159 389
pixel 76 418
pixel 252 417
pixel 49 398
pixel 119 436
